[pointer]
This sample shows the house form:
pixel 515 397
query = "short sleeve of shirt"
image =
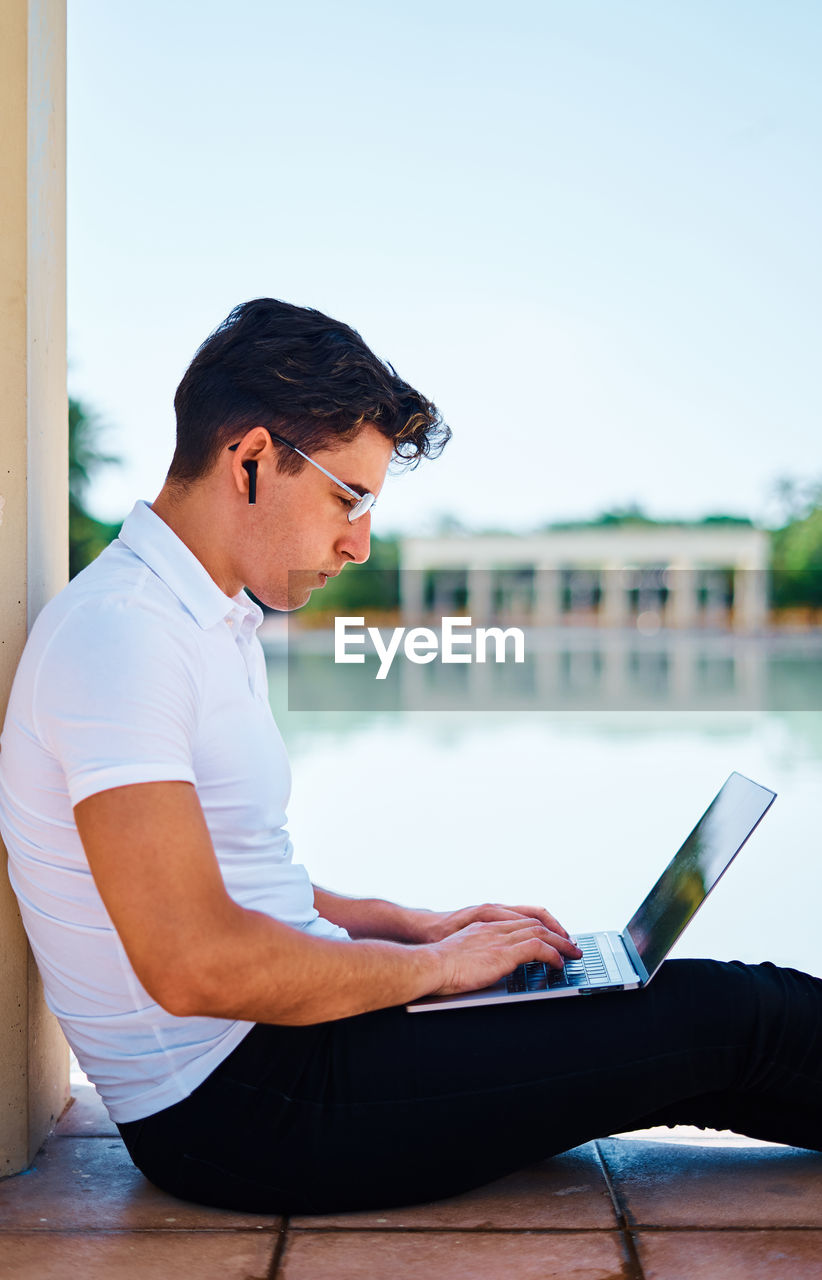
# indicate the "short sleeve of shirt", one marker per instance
pixel 115 697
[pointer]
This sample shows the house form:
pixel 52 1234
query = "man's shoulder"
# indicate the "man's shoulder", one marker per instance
pixel 116 597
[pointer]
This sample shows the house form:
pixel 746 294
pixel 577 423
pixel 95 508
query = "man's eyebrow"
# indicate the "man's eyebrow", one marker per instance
pixel 358 488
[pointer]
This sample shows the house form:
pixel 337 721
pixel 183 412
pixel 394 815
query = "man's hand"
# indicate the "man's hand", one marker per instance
pixel 376 918
pixel 434 926
pixel 471 948
pixel 484 951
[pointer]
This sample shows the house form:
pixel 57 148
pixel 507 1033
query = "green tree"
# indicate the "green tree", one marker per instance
pixel 796 562
pixel 87 535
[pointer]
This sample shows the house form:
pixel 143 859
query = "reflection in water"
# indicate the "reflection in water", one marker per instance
pixel 588 670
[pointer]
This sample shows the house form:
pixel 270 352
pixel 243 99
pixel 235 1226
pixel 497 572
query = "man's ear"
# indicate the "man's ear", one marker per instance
pixel 249 450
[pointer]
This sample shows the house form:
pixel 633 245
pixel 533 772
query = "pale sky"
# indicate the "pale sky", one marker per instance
pixel 588 229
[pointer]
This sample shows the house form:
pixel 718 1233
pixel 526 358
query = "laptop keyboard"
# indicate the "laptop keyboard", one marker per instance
pixel 537 976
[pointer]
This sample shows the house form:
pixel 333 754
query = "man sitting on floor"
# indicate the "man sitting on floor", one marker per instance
pixel 245 1028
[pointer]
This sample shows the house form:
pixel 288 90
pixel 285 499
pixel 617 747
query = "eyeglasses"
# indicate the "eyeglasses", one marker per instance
pixel 365 501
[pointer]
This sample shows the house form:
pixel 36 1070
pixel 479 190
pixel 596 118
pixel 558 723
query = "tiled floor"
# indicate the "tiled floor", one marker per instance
pixel 697 1208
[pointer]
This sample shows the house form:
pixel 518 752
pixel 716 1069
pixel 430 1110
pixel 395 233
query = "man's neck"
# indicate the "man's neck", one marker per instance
pixel 191 517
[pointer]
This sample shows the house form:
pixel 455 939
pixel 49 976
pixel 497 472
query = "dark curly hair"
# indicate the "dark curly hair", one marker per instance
pixel 299 374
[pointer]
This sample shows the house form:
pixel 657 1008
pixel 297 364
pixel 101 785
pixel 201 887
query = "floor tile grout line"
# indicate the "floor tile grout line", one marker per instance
pixel 456 1228
pixel 279 1250
pixel 622 1218
pixel 639 1228
pixel 140 1231
pixel 31 1229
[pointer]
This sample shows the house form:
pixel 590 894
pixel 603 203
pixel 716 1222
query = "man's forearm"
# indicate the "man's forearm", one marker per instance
pixel 374 917
pixel 249 966
pixel 198 952
pixel 260 970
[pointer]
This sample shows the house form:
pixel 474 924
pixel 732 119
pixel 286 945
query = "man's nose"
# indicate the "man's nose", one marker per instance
pixel 356 542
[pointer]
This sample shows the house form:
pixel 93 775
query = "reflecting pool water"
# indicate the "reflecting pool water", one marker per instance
pixel 578 810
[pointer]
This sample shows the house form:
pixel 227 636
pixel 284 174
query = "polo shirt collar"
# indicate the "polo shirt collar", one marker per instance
pixel 158 546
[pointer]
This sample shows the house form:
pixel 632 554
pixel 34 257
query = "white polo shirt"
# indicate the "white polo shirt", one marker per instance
pixel 141 670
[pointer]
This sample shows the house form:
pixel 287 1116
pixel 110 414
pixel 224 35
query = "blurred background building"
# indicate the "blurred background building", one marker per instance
pixel 645 575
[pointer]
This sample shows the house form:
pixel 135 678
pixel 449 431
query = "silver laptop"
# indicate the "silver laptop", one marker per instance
pixel 624 961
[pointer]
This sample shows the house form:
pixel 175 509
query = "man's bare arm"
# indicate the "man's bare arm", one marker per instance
pixel 377 918
pixel 197 952
pixel 370 917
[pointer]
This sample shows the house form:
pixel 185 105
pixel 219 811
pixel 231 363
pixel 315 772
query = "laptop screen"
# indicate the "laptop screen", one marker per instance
pixel 689 877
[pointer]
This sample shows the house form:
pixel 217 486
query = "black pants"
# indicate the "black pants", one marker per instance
pixel 390 1108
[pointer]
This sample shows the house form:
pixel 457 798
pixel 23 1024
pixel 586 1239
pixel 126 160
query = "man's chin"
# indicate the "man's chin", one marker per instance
pixel 293 604
pixel 285 599
pixel 292 594
pixel 299 593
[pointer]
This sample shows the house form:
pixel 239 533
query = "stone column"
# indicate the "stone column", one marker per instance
pixel 547 597
pixel 412 603
pixel 33 490
pixel 480 582
pixel 682 610
pixel 613 610
pixel 750 608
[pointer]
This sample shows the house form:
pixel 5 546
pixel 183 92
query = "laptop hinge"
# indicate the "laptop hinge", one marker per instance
pixel 628 944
